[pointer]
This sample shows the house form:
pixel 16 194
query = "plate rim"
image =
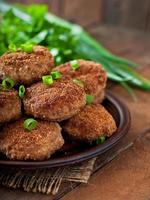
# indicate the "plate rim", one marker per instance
pixel 122 130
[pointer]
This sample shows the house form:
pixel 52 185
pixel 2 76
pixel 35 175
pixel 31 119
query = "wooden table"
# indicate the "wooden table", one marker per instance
pixel 128 176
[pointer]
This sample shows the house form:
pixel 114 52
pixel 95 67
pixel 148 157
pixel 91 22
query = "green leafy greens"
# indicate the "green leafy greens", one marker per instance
pixel 34 25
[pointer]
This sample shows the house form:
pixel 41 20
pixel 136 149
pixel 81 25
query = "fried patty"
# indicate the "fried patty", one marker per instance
pixel 56 102
pixel 10 105
pixel 92 122
pixel 92 75
pixel 26 68
pixel 39 144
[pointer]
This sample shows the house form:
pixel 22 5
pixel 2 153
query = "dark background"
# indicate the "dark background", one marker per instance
pixel 127 13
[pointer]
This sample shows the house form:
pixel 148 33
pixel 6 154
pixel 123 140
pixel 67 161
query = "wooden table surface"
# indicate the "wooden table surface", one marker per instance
pixel 128 176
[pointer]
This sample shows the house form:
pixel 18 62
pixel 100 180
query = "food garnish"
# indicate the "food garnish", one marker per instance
pixel 56 33
pixel 12 47
pixel 89 99
pixel 47 79
pixel 56 75
pixel 30 124
pixel 28 48
pixel 74 64
pixel 100 140
pixel 22 91
pixel 8 83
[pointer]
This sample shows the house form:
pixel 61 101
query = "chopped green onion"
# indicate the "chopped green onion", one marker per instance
pixel 12 47
pixel 89 99
pixel 74 64
pixel 30 124
pixel 78 82
pixel 100 140
pixel 47 80
pixel 8 83
pixel 56 74
pixel 22 91
pixel 28 48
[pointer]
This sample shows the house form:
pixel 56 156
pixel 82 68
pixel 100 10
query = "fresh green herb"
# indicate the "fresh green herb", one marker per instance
pixel 30 124
pixel 58 60
pixel 28 48
pixel 33 24
pixel 78 82
pixel 56 75
pixel 12 47
pixel 8 83
pixel 68 52
pixel 89 99
pixel 54 52
pixel 74 64
pixel 100 140
pixel 22 91
pixel 47 80
pixel 39 38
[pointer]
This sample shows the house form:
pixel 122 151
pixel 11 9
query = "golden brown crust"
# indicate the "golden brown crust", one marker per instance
pixel 26 68
pixel 90 73
pixel 39 144
pixel 56 102
pixel 99 97
pixel 10 105
pixel 93 121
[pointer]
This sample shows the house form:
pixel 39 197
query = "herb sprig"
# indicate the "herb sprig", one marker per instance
pixel 33 24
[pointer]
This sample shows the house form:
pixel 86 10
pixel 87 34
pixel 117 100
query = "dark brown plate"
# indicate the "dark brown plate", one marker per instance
pixel 76 152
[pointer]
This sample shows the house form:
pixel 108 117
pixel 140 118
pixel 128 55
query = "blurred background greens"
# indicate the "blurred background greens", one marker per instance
pixel 35 24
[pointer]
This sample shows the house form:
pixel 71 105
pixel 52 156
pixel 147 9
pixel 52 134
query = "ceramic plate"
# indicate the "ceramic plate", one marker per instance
pixel 73 152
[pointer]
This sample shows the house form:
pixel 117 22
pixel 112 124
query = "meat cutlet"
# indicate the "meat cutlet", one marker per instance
pixel 92 122
pixel 39 144
pixel 55 102
pixel 26 68
pixel 90 73
pixel 10 105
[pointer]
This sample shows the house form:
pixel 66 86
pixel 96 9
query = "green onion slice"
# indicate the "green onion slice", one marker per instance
pixel 28 48
pixel 89 99
pixel 8 83
pixel 56 74
pixel 100 140
pixel 30 124
pixel 47 80
pixel 78 82
pixel 22 91
pixel 74 64
pixel 12 47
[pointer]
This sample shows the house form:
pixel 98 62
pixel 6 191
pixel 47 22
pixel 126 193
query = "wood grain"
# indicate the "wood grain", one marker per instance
pixel 127 177
pixel 131 44
pixel 57 7
pixel 128 13
pixel 84 12
pixel 134 13
pixel 135 45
